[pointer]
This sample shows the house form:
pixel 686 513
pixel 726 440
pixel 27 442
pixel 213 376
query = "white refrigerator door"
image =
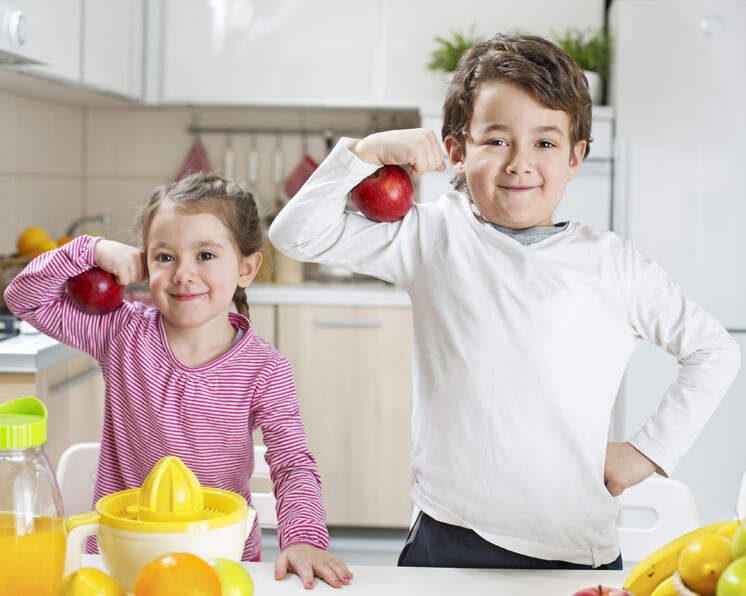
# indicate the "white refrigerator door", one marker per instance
pixel 679 96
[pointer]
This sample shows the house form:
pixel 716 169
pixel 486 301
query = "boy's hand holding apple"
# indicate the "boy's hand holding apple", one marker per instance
pixel 417 148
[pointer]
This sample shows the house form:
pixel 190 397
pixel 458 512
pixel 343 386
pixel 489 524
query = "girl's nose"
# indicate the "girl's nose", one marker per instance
pixel 184 273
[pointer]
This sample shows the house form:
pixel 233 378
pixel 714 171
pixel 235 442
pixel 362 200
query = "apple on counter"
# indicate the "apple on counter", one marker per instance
pixel 386 195
pixel 602 591
pixel 95 291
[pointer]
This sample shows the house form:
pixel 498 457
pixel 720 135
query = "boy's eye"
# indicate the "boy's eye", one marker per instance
pixel 546 144
pixel 163 258
pixel 206 256
pixel 498 142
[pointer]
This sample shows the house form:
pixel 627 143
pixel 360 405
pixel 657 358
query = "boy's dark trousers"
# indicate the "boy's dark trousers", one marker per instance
pixel 434 544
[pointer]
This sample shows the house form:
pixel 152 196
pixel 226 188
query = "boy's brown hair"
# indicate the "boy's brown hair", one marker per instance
pixel 538 66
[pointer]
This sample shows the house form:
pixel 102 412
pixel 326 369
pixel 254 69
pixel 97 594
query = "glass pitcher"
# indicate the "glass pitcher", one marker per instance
pixel 32 531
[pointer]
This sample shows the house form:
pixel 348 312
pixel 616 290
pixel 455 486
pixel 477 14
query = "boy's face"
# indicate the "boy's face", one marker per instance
pixel 518 157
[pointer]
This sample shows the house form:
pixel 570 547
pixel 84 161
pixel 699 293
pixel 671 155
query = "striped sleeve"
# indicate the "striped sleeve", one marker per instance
pixel 297 483
pixel 37 295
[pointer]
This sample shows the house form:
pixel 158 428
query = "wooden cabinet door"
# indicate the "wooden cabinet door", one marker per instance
pixel 352 368
pixel 262 318
pixel 73 392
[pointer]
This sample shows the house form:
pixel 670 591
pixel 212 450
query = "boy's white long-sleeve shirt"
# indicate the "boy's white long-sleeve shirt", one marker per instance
pixel 518 356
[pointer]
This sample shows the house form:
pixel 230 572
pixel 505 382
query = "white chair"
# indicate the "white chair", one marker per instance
pixel 675 511
pixel 76 476
pixel 741 502
pixel 264 502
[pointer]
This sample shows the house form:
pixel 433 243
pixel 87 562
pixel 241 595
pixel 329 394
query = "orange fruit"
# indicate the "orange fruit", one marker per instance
pixel 89 581
pixel 702 561
pixel 63 240
pixel 178 574
pixel 31 239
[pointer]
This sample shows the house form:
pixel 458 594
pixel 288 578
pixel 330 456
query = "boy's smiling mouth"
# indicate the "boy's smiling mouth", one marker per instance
pixel 517 188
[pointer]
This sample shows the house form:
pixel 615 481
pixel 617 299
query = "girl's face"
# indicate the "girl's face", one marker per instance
pixel 519 157
pixel 194 268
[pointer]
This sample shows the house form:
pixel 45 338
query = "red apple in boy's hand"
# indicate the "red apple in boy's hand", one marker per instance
pixel 386 195
pixel 95 291
pixel 602 590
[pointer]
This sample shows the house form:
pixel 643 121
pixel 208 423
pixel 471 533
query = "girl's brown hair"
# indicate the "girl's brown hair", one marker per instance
pixel 542 69
pixel 225 199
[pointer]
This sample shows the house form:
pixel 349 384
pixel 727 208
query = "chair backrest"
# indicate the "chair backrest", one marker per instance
pixel 741 502
pixel 675 514
pixel 264 502
pixel 76 476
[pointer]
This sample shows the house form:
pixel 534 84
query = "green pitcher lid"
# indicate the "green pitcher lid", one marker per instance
pixel 23 423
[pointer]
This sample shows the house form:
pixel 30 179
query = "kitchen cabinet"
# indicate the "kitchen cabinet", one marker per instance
pixel 73 393
pixel 112 49
pixel 268 53
pixel 329 52
pixel 262 317
pixel 45 31
pixel 352 369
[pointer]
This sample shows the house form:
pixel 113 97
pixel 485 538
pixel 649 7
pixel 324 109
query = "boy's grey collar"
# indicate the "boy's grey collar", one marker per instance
pixel 532 235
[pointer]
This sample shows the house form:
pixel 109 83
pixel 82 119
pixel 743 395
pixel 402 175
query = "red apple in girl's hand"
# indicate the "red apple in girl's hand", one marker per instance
pixel 385 195
pixel 95 291
pixel 602 590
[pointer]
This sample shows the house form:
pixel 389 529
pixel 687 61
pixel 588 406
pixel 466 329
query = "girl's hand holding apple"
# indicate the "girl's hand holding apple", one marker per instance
pixel 126 263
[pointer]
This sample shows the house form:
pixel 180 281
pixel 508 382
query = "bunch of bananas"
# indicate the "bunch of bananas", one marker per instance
pixel 659 574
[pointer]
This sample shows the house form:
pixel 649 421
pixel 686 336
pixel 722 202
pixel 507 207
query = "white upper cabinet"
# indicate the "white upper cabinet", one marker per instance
pixel 331 52
pixel 112 52
pixel 278 52
pixel 44 31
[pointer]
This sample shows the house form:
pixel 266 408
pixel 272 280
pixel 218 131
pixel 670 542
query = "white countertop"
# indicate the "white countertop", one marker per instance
pixel 30 353
pixel 408 581
pixel 363 293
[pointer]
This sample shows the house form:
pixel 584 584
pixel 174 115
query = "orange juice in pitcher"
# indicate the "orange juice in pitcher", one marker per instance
pixel 32 562
pixel 32 531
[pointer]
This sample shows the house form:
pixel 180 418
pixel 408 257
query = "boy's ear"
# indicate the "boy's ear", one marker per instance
pixel 576 158
pixel 248 267
pixel 455 154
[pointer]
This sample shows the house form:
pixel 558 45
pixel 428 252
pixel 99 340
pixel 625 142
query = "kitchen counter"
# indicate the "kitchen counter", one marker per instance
pixel 31 353
pixel 363 293
pixel 405 581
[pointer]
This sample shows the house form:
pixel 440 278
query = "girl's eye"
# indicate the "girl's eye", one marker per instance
pixel 163 258
pixel 206 256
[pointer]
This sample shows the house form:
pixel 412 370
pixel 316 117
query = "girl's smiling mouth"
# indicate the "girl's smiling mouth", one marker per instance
pixel 185 297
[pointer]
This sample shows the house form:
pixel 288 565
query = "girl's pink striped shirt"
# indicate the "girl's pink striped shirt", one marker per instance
pixel 155 406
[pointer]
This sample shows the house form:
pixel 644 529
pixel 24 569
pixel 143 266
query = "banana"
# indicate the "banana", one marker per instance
pixel 666 588
pixel 660 565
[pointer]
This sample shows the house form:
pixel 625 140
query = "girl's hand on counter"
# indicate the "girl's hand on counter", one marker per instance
pixel 308 561
pixel 126 263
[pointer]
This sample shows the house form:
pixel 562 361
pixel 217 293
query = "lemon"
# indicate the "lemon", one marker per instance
pixel 89 581
pixel 702 561
pixel 31 239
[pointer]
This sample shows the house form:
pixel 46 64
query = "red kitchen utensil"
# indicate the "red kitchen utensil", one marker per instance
pixel 300 174
pixel 196 161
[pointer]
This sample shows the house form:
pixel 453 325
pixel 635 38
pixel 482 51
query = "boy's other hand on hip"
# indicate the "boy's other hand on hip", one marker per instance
pixel 417 148
pixel 625 466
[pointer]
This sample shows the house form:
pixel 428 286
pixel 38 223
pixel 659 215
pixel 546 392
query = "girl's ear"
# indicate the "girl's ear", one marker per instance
pixel 455 154
pixel 248 267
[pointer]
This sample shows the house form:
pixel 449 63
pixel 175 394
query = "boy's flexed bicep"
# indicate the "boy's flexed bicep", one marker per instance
pixel 38 295
pixel 314 226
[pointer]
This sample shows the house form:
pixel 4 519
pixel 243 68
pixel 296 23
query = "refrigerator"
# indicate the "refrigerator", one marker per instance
pixel 678 90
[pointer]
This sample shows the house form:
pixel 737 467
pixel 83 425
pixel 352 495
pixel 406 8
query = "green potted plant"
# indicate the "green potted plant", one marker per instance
pixel 592 51
pixel 449 51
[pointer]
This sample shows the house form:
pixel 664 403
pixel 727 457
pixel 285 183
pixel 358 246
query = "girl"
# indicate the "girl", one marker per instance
pixel 190 377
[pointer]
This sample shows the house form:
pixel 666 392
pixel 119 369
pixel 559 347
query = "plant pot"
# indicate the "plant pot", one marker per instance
pixel 594 86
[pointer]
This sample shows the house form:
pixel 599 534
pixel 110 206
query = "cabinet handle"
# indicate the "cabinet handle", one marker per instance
pixel 346 323
pixel 65 385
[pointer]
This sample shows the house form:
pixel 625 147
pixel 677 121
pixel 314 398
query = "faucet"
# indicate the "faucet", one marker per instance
pixel 104 218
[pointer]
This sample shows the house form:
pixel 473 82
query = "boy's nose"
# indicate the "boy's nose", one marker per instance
pixel 518 163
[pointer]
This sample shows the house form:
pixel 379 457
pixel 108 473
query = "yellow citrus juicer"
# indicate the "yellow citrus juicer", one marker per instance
pixel 171 512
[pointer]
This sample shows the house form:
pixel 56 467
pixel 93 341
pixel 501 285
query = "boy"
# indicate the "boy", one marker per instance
pixel 522 327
